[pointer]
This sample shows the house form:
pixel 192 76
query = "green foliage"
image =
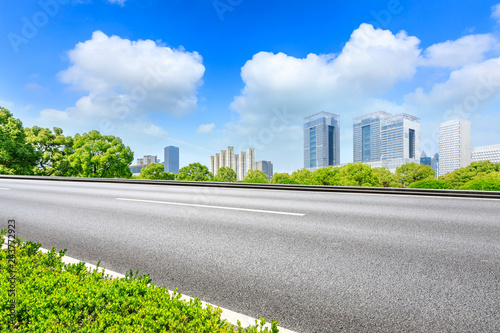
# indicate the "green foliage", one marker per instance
pixel 431 183
pixel 475 170
pixel 326 176
pixel 53 148
pixel 17 156
pixel 386 178
pixel 302 176
pixel 288 181
pixel 278 177
pixel 102 156
pixel 411 172
pixel 255 176
pixel 53 297
pixel 195 172
pixel 482 184
pixel 155 171
pixel 357 174
pixel 226 174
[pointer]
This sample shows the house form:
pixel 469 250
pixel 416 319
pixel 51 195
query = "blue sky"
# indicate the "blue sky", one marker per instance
pixel 203 75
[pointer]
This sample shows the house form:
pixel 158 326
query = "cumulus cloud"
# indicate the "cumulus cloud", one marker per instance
pixel 460 52
pixel 206 129
pixel 495 12
pixel 280 90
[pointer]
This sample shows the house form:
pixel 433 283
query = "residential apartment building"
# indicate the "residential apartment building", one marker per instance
pixel 266 167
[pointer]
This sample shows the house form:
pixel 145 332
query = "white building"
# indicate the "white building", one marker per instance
pixel 240 163
pixel 454 145
pixel 486 153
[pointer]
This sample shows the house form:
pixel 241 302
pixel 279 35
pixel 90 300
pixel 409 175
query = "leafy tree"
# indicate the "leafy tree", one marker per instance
pixel 473 171
pixel 196 172
pixel 102 156
pixel 326 176
pixel 226 174
pixel 302 176
pixel 255 176
pixel 357 174
pixel 17 156
pixel 411 172
pixel 385 177
pixel 482 184
pixel 53 148
pixel 155 171
pixel 431 183
pixel 278 177
pixel 288 181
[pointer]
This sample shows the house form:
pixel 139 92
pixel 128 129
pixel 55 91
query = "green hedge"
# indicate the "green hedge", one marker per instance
pixel 53 297
pixel 482 184
pixel 431 184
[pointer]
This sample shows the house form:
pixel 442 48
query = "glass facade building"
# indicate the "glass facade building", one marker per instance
pixel 381 136
pixel 321 140
pixel 171 163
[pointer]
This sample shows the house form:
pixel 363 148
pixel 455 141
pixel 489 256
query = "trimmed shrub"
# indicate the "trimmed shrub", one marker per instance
pixel 431 184
pixel 482 184
pixel 53 297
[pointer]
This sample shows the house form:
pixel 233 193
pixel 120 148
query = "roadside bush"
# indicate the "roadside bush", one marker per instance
pixel 431 184
pixel 288 181
pixel 482 184
pixel 53 297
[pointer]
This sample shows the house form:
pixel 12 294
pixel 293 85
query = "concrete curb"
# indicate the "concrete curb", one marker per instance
pixel 231 316
pixel 286 187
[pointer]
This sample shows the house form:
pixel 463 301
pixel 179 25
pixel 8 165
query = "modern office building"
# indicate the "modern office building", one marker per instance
pixel 430 161
pixel 486 153
pixel 266 167
pixel 321 140
pixel 147 160
pixel 240 163
pixel 454 145
pixel 171 163
pixel 382 139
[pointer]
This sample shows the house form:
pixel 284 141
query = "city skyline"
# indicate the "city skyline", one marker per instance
pixel 100 64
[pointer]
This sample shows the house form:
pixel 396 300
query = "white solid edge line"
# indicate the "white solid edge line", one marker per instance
pixel 231 316
pixel 217 207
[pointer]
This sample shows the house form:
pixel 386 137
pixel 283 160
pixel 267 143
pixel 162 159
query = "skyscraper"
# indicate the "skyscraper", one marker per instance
pixel 321 140
pixel 266 167
pixel 242 164
pixel 454 145
pixel 250 159
pixel 171 163
pixel 380 136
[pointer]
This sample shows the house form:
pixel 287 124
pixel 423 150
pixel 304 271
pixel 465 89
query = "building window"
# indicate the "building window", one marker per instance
pixel 412 143
pixel 312 147
pixel 366 143
pixel 331 132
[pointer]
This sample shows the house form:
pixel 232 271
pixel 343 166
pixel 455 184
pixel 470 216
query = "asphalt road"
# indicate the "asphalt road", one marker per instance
pixel 317 262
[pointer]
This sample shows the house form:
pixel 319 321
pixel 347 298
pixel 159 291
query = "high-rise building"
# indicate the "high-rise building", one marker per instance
pixel 147 160
pixel 454 145
pixel 171 163
pixel 321 140
pixel 242 164
pixel 266 167
pixel 382 139
pixel 486 153
pixel 367 137
pixel 430 161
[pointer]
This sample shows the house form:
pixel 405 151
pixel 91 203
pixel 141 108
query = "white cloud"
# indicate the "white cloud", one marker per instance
pixel 6 104
pixel 495 12
pixel 280 90
pixel 54 114
pixel 118 2
pixel 206 129
pixel 35 87
pixel 460 52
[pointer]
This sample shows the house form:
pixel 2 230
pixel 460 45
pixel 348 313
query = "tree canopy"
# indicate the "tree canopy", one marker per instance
pixel 53 150
pixel 411 172
pixel 195 172
pixel 475 170
pixel 17 156
pixel 102 156
pixel 155 171
pixel 255 176
pixel 226 174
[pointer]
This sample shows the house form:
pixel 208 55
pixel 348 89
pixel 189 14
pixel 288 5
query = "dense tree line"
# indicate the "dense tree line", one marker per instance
pixel 45 152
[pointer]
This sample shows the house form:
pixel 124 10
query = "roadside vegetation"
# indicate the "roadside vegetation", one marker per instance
pixel 46 152
pixel 53 297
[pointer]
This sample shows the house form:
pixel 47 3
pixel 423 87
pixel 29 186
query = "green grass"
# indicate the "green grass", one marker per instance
pixel 54 297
